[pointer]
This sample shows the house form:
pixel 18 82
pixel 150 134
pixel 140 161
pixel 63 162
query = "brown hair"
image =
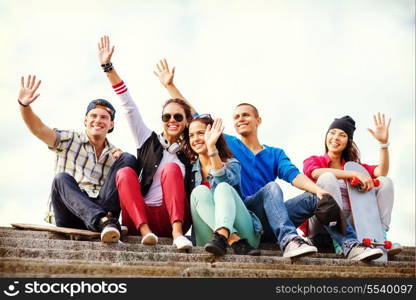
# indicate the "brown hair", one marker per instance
pixel 350 153
pixel 256 112
pixel 223 151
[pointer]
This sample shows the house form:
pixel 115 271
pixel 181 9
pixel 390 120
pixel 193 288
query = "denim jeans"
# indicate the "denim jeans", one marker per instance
pixel 280 219
pixel 74 208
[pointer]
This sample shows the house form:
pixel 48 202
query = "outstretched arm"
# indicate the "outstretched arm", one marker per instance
pixel 105 52
pixel 166 79
pixel 302 182
pixel 27 95
pixel 381 134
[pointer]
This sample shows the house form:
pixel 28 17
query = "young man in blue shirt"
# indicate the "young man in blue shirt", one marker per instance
pixel 261 165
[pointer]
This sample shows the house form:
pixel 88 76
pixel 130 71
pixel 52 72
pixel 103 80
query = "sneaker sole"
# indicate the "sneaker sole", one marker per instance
pixel 301 252
pixel 110 236
pixel 214 250
pixel 185 247
pixel 364 256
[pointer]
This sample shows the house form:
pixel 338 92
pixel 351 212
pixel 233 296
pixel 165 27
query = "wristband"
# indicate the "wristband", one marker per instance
pixel 384 146
pixel 24 105
pixel 212 154
pixel 108 67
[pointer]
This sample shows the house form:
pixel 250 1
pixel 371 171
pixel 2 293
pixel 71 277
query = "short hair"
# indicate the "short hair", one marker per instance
pixel 256 112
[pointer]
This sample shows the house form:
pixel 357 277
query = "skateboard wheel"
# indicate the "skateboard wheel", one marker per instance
pixel 376 182
pixel 367 242
pixel 387 244
pixel 354 181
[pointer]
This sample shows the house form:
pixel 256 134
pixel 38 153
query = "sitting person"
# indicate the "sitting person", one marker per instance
pixel 84 192
pixel 157 205
pixel 328 171
pixel 216 206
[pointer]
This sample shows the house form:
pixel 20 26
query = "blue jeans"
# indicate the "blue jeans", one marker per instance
pixel 73 208
pixel 280 219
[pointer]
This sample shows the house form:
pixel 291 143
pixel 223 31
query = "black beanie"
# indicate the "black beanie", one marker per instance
pixel 346 123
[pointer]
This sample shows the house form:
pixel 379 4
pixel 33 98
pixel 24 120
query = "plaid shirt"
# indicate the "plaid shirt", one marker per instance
pixel 75 155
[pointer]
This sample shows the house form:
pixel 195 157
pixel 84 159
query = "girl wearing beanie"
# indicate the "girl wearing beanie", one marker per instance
pixel 328 171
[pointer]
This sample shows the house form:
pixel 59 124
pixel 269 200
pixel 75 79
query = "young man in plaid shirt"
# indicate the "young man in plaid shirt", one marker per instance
pixel 84 191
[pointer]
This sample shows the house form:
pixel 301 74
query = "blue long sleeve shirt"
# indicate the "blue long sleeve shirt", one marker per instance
pixel 258 170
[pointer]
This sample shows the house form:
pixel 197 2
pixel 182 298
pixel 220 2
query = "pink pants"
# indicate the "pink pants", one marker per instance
pixel 134 211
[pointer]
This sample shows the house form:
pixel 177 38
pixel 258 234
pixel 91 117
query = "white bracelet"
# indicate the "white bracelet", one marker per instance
pixel 384 146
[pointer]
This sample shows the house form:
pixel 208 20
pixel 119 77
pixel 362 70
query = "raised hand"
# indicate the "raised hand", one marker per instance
pixel 104 50
pixel 164 74
pixel 381 131
pixel 27 91
pixel 212 134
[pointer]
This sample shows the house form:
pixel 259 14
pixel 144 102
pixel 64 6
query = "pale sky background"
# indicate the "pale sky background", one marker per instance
pixel 302 63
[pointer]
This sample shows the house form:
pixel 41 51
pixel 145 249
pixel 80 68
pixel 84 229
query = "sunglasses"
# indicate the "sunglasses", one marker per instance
pixel 177 117
pixel 203 116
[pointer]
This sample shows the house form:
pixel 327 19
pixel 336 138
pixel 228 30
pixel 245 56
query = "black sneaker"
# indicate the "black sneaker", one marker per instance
pixel 110 229
pixel 242 247
pixel 218 245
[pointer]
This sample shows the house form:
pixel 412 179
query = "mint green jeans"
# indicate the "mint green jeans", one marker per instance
pixel 221 208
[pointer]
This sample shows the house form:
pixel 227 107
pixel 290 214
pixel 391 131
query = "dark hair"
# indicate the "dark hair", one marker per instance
pixel 223 151
pixel 256 112
pixel 350 153
pixel 185 106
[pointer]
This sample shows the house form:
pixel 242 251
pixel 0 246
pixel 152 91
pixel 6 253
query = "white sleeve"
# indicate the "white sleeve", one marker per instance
pixel 137 126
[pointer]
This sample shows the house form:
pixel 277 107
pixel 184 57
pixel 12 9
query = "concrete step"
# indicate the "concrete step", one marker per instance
pixel 179 269
pixel 88 245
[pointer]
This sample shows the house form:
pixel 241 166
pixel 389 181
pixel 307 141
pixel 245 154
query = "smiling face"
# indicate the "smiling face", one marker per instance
pixel 245 120
pixel 172 128
pixel 336 140
pixel 98 122
pixel 197 137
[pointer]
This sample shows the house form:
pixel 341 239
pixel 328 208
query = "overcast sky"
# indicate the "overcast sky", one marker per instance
pixel 302 63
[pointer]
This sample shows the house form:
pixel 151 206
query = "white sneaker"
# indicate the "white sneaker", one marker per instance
pixel 149 239
pixel 360 252
pixel 110 234
pixel 182 243
pixel 298 247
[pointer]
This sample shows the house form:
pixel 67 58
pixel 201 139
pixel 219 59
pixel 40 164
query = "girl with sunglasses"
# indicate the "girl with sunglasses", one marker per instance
pixel 156 205
pixel 219 216
pixel 328 170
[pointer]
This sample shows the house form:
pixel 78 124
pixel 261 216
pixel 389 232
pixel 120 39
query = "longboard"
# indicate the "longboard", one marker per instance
pixel 73 233
pixel 365 212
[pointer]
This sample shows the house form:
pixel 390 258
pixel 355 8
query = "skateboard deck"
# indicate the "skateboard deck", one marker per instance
pixel 365 211
pixel 72 233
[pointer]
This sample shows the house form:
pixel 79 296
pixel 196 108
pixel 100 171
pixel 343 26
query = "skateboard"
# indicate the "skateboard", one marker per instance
pixel 72 233
pixel 365 212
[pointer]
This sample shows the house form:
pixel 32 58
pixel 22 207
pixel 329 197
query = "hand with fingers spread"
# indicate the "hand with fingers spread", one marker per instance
pixel 105 52
pixel 27 91
pixel 212 134
pixel 164 74
pixel 381 131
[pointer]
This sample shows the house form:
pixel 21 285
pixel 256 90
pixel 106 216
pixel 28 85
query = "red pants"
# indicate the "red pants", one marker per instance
pixel 134 211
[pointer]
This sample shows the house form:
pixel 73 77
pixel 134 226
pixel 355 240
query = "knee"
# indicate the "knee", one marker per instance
pixel 385 182
pixel 61 178
pixel 172 169
pixel 272 191
pixel 223 187
pixel 199 193
pixel 128 160
pixel 327 178
pixel 124 174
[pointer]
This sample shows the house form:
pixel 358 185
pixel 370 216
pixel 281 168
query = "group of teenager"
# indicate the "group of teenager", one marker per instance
pixel 192 174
